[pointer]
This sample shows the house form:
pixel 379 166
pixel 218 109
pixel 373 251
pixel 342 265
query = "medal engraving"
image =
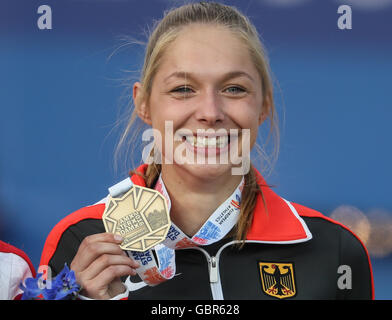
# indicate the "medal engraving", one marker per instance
pixel 140 216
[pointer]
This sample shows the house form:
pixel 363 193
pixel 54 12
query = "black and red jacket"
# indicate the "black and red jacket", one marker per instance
pixel 290 252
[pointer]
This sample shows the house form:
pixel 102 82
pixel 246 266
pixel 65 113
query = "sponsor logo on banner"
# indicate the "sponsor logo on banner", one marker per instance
pixel 236 203
pixel 224 215
pixel 143 257
pixel 185 243
pixel 173 233
pixel 153 276
pixel 277 279
pixel 165 256
pixel 209 232
pixel 167 272
pixel 199 240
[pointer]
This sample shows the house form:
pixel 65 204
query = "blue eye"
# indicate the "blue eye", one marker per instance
pixel 235 90
pixel 183 89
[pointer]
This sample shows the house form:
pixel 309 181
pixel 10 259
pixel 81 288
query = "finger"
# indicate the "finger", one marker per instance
pixel 112 272
pixel 103 262
pixel 94 251
pixel 94 238
pixel 102 237
pixel 91 251
pixel 98 286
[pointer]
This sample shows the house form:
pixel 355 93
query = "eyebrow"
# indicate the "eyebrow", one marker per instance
pixel 225 77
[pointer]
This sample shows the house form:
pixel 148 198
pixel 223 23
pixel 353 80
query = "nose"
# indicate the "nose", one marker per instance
pixel 209 110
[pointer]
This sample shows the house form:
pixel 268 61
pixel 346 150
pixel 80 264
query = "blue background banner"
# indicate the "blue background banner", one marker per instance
pixel 63 92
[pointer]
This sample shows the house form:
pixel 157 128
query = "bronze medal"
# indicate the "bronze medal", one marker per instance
pixel 140 216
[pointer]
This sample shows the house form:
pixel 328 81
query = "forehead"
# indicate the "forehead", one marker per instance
pixel 208 49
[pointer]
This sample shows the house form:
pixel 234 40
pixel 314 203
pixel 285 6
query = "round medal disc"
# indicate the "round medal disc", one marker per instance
pixel 140 216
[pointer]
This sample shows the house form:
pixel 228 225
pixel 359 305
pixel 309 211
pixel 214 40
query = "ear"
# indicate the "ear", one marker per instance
pixel 266 108
pixel 141 105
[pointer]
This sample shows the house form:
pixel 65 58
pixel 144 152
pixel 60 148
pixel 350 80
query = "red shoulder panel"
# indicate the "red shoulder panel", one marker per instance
pixel 91 212
pixel 307 212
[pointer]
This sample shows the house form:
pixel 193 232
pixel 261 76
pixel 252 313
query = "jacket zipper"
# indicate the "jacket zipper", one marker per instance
pixel 213 270
pixel 213 265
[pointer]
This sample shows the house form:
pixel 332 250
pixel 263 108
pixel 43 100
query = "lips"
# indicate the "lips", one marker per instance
pixel 210 144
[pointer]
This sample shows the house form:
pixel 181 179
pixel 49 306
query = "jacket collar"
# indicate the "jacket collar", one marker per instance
pixel 278 222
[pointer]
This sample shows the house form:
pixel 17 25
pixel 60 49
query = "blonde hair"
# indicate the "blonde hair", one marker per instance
pixel 164 33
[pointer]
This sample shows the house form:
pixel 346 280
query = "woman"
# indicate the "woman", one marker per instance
pixel 206 75
pixel 15 268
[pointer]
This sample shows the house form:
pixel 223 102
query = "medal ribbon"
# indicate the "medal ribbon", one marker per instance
pixel 214 229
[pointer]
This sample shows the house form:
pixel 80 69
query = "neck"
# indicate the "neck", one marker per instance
pixel 194 199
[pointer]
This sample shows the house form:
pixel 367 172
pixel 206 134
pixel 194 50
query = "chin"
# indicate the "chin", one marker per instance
pixel 207 171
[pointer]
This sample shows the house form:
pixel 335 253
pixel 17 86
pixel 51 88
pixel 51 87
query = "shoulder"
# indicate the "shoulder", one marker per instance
pixel 8 249
pixel 64 239
pixel 320 225
pixel 342 244
pixel 15 267
pixel 319 222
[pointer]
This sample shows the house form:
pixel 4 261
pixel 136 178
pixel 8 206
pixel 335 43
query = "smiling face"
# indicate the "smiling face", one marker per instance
pixel 207 81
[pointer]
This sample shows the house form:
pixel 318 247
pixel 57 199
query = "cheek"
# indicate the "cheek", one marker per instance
pixel 160 112
pixel 249 120
pixel 170 118
pixel 166 119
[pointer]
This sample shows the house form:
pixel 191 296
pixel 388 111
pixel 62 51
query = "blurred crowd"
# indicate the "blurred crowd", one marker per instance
pixel 374 228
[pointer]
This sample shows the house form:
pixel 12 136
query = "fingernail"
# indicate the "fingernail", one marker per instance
pixel 117 237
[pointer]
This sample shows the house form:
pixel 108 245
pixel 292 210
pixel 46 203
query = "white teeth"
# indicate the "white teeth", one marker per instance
pixel 203 142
